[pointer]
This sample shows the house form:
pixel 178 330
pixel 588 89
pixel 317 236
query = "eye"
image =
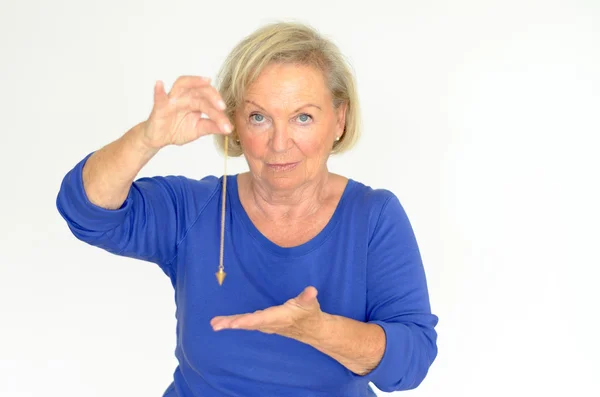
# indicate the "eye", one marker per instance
pixel 304 118
pixel 257 118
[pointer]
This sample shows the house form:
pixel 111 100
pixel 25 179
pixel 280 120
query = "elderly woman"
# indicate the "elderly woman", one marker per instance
pixel 286 100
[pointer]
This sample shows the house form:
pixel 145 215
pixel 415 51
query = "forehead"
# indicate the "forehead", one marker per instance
pixel 288 84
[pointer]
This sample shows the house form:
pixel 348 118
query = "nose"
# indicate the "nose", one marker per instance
pixel 281 139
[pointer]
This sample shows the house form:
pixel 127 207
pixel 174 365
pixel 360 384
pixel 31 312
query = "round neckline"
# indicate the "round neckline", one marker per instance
pixel 263 241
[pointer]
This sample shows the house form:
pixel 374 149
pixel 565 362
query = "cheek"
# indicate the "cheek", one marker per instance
pixel 311 146
pixel 255 145
pixel 313 141
pixel 252 143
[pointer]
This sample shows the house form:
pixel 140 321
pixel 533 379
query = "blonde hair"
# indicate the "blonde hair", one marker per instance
pixel 295 43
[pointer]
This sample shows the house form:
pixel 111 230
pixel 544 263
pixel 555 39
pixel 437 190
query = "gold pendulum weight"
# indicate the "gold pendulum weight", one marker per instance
pixel 221 273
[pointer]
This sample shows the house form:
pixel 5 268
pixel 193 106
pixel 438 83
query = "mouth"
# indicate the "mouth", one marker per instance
pixel 282 166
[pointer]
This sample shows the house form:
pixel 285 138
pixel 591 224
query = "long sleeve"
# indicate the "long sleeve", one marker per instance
pixel 398 301
pixel 148 226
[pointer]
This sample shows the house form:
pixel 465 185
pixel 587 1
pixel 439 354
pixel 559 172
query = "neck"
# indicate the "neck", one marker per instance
pixel 288 204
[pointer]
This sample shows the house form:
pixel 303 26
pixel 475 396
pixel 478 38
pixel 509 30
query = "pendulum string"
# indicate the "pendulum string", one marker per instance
pixel 221 273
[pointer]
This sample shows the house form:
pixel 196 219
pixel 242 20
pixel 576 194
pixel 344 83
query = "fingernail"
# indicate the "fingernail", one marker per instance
pixel 222 105
pixel 218 328
pixel 227 128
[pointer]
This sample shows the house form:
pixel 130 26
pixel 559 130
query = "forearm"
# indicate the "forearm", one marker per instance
pixel 356 345
pixel 110 171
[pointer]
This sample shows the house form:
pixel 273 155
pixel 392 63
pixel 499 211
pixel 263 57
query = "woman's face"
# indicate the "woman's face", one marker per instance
pixel 287 126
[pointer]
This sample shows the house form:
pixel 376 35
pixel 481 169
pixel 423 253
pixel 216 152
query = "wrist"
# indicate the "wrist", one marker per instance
pixel 139 142
pixel 322 330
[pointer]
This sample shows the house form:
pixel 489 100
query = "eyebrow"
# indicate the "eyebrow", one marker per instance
pixel 301 107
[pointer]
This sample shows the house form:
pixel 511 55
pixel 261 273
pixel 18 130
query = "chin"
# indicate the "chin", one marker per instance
pixel 284 180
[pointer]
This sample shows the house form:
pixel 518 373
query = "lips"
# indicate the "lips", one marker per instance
pixel 282 166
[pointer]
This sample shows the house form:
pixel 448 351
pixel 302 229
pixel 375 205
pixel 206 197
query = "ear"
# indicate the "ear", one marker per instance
pixel 341 119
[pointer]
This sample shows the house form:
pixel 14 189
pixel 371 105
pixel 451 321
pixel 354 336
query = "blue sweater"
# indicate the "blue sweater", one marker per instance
pixel 365 264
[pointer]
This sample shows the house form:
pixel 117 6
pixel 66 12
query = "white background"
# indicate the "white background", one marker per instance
pixel 482 116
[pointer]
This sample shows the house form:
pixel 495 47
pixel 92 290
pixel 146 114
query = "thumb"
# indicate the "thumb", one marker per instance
pixel 308 296
pixel 159 92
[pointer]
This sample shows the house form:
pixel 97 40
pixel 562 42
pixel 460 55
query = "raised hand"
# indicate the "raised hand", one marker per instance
pixel 193 108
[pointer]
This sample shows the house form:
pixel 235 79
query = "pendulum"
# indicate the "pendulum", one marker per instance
pixel 221 273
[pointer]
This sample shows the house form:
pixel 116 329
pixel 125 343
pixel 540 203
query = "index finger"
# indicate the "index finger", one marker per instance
pixel 185 82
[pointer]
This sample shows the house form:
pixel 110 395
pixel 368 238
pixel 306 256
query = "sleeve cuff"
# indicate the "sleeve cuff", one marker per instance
pixel 393 365
pixel 79 211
